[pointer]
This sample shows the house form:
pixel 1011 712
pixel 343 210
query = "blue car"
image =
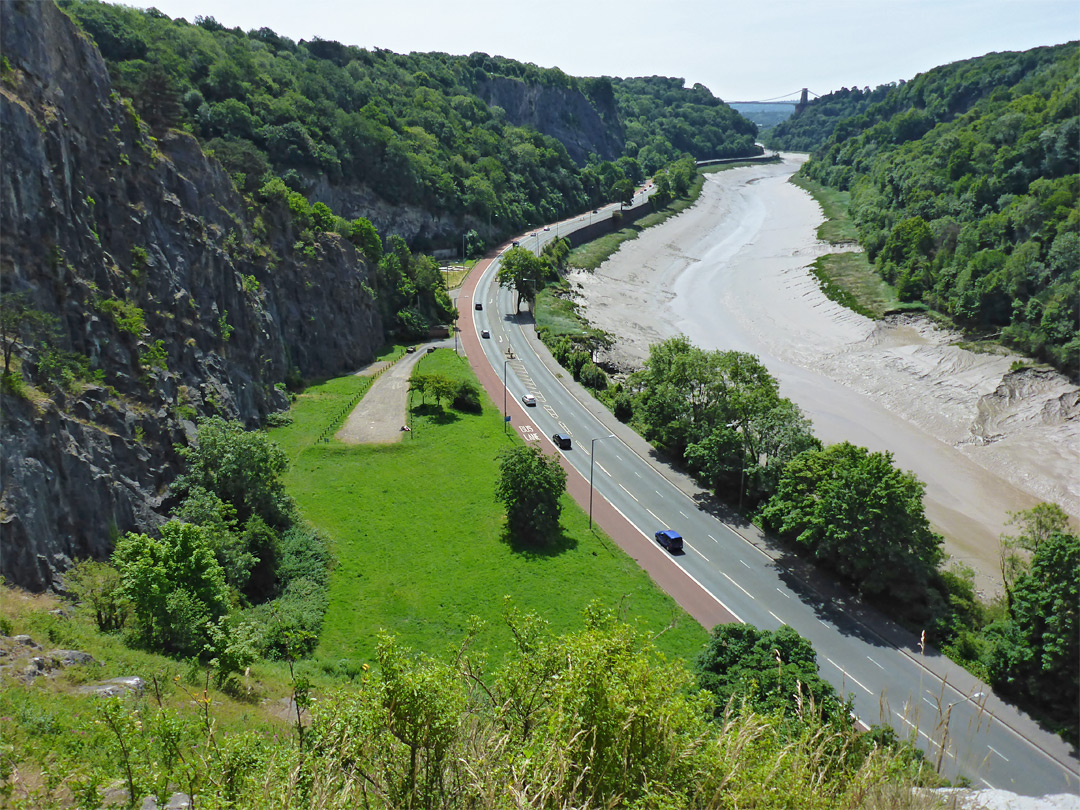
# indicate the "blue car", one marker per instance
pixel 671 540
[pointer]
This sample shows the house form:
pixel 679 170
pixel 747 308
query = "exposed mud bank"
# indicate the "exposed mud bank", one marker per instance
pixel 732 273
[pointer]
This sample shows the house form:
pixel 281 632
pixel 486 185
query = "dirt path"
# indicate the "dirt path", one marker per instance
pixel 731 273
pixel 380 415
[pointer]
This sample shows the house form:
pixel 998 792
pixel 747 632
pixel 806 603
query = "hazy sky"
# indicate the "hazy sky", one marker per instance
pixel 742 51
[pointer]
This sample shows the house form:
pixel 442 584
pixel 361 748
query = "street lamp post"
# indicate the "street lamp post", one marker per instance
pixel 592 460
pixel 945 723
pixel 505 414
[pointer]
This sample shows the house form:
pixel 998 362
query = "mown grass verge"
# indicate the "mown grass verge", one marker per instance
pixel 419 545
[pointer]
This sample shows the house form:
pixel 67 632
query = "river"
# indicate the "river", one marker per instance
pixel 732 272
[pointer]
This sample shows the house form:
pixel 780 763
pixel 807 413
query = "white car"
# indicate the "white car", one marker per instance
pixel 529 399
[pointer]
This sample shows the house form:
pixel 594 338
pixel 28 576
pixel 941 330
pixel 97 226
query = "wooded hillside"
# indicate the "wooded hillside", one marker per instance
pixel 964 187
pixel 469 141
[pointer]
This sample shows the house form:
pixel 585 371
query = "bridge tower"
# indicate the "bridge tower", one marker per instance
pixel 803 101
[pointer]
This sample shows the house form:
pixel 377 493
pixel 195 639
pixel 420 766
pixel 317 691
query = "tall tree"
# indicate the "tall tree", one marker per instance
pixel 862 516
pixel 530 486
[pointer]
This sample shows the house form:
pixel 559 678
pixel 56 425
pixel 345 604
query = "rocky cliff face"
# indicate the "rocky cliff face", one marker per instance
pixel 171 301
pixel 563 114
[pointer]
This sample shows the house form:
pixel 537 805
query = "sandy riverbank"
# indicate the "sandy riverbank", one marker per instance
pixel 731 273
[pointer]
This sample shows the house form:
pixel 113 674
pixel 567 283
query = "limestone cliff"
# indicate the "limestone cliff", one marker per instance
pixel 584 126
pixel 170 299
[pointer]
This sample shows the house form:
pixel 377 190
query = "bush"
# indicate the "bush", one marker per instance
pixel 592 376
pixel 96 587
pixel 290 624
pixel 175 587
pixel 467 398
pixel 623 407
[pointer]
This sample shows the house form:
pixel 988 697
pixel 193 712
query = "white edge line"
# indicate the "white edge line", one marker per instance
pixel 737 585
pixel 628 492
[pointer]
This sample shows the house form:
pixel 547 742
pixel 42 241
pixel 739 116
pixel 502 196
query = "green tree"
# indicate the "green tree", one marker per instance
pixel 364 235
pixel 863 517
pixel 1036 650
pixel 530 487
pixel 96 587
pixel 770 670
pixel 1036 525
pixel 520 271
pixel 243 468
pixel 21 325
pixel 174 585
pixel 623 192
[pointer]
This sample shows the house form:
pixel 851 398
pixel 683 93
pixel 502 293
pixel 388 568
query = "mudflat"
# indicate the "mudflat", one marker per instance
pixel 732 272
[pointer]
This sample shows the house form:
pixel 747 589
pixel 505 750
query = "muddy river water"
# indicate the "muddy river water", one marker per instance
pixel 731 273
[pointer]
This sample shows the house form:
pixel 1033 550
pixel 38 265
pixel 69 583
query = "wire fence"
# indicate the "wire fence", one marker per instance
pixel 354 400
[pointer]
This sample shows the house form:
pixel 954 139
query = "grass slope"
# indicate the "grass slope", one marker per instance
pixel 847 278
pixel 418 536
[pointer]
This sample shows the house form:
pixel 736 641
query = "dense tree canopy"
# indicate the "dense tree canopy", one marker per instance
pixel 1035 652
pixel 770 670
pixel 862 516
pixel 530 487
pixel 808 129
pixel 722 413
pixel 413 128
pixel 964 185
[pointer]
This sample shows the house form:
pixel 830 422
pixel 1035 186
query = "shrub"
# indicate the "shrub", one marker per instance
pixel 592 376
pixel 467 398
pixel 96 587
pixel 175 586
pixel 623 407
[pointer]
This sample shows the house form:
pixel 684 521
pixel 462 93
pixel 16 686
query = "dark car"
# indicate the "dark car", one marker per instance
pixel 484 333
pixel 669 539
pixel 562 440
pixel 478 305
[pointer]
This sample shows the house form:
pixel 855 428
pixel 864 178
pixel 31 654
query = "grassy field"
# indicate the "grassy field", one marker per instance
pixel 418 537
pixel 848 279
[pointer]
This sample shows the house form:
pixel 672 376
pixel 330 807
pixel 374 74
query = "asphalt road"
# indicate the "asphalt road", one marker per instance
pixel 731 571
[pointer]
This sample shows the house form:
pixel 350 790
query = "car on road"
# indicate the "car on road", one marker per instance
pixel 596 210
pixel 546 228
pixel 529 399
pixel 410 350
pixel 478 305
pixel 669 539
pixel 484 333
pixel 562 440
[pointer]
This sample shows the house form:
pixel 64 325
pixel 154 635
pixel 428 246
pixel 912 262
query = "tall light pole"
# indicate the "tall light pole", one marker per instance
pixel 592 460
pixel 945 723
pixel 506 416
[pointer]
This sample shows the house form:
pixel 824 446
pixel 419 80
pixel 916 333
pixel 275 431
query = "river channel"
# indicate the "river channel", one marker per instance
pixel 732 272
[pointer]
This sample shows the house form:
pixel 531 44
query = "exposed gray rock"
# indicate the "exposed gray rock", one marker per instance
pixel 178 801
pixel 94 215
pixel 69 658
pixel 25 641
pixel 583 125
pixel 115 687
